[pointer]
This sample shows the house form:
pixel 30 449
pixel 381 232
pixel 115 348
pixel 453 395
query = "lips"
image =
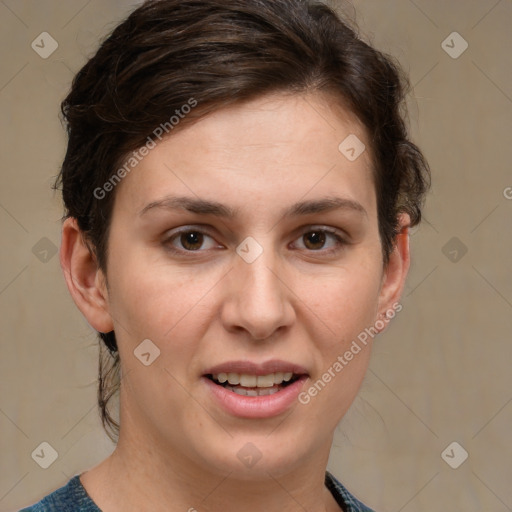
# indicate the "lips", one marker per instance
pixel 254 390
pixel 251 368
pixel 251 385
pixel 241 376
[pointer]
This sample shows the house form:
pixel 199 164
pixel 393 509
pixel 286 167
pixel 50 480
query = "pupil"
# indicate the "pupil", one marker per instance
pixel 316 238
pixel 191 240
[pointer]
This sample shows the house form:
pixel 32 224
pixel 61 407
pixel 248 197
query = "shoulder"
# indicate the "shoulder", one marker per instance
pixel 69 498
pixel 347 502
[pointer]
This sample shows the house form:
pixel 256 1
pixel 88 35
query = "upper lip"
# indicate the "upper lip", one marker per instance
pixel 251 368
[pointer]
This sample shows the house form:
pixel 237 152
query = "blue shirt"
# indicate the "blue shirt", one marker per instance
pixel 74 498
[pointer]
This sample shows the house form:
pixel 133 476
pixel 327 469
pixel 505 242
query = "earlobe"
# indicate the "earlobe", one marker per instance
pixel 85 281
pixel 395 272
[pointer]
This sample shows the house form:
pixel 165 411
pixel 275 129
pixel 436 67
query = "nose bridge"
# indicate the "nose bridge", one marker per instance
pixel 261 278
pixel 260 302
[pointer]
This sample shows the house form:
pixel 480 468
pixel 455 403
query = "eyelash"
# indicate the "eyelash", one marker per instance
pixel 339 240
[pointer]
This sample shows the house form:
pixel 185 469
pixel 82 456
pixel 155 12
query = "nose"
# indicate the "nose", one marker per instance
pixel 258 299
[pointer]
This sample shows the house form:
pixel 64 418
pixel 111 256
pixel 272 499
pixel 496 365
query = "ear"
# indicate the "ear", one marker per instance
pixel 395 273
pixel 86 282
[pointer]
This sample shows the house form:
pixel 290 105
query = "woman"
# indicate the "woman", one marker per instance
pixel 239 185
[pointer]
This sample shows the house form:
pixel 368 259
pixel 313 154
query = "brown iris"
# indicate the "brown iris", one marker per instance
pixel 314 240
pixel 192 240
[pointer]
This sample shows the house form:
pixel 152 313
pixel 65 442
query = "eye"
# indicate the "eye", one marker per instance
pixel 190 240
pixel 321 239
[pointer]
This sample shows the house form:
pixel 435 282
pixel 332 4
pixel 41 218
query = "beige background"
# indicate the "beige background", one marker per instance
pixel 441 373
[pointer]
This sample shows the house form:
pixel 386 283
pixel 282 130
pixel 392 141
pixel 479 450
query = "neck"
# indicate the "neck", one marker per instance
pixel 138 477
pixel 148 472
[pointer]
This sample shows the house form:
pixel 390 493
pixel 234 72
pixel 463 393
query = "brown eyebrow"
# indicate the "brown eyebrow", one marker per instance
pixel 206 207
pixel 193 205
pixel 325 205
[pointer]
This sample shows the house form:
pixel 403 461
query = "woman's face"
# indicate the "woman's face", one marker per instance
pixel 246 244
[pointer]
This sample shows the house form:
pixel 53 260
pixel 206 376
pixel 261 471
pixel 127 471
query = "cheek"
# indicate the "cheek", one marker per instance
pixel 345 302
pixel 157 301
pixel 345 308
pixel 170 308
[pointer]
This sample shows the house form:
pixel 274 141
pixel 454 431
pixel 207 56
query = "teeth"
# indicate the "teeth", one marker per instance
pixel 253 381
pixel 234 378
pixel 253 392
pixel 248 381
pixel 265 381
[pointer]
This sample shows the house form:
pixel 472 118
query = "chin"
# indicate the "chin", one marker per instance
pixel 258 457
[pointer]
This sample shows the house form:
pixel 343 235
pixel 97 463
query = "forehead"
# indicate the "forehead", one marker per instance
pixel 270 149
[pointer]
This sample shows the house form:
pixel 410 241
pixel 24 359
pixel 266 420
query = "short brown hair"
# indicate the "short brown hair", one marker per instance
pixel 222 52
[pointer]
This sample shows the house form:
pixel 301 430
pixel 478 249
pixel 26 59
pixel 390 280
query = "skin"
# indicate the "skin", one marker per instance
pixel 296 302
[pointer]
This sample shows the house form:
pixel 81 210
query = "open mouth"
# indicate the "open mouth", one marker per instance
pixel 254 385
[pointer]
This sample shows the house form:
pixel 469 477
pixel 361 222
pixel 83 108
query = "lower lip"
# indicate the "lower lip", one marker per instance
pixel 256 406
